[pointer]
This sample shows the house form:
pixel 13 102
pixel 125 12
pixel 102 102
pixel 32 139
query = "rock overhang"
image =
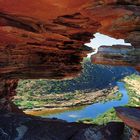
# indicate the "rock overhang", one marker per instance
pixel 45 39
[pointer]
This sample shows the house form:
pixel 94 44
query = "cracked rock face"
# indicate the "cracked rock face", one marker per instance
pixel 20 127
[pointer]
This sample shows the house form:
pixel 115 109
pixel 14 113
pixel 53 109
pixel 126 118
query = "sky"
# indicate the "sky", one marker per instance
pixel 101 40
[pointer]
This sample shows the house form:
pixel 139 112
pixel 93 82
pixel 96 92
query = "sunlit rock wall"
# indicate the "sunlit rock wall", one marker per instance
pixel 118 55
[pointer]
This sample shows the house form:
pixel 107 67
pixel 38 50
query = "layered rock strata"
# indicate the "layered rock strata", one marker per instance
pixel 45 39
pixel 131 117
pixel 118 55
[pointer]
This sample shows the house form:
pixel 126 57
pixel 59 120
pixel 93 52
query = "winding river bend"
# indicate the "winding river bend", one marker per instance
pixel 91 111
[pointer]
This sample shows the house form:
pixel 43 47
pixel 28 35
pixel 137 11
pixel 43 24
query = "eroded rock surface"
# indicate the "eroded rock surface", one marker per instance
pixel 36 128
pixel 131 117
pixel 30 48
pixel 118 55
pixel 45 39
pixel 7 92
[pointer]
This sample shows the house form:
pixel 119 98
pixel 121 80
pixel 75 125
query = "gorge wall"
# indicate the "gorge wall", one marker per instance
pixel 118 55
pixel 45 39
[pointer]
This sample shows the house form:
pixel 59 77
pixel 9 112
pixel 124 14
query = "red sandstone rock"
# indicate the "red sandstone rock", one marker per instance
pixel 118 55
pixel 7 92
pixel 131 117
pixel 45 39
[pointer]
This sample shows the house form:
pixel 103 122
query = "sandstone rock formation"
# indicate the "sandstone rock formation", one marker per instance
pixel 131 117
pixel 36 128
pixel 7 92
pixel 45 39
pixel 118 55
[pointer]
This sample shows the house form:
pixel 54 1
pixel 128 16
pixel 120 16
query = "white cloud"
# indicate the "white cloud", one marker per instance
pixel 101 40
pixel 73 116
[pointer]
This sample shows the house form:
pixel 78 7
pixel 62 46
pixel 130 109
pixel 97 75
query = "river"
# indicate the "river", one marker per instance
pixel 91 111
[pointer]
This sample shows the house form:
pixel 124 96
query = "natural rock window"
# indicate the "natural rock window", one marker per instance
pixel 45 39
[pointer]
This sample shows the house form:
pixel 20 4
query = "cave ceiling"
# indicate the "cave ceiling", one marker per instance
pixel 45 38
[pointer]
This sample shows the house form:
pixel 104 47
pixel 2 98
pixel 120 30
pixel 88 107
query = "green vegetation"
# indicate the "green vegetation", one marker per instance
pixel 133 85
pixel 68 99
pixel 134 100
pixel 102 119
pixel 32 93
pixel 133 77
pixel 93 77
pixel 69 96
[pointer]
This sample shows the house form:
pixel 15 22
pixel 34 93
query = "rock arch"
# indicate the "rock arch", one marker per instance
pixel 45 39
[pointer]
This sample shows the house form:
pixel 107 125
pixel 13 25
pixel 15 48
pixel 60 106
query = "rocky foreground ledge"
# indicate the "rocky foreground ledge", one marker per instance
pixel 20 127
